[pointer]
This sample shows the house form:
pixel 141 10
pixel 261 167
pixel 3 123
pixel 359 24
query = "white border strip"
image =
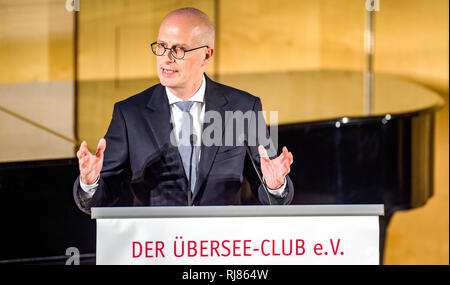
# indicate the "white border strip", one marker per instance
pixel 237 211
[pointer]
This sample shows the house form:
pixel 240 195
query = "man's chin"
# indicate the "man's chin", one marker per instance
pixel 167 82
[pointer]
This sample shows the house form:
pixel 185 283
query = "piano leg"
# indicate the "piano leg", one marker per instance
pixel 384 223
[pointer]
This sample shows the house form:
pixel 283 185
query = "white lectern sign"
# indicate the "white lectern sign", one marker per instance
pixel 245 235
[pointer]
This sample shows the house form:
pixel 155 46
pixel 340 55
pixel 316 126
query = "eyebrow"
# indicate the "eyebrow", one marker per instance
pixel 176 44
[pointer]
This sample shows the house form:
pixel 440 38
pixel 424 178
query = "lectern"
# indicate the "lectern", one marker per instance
pixel 239 235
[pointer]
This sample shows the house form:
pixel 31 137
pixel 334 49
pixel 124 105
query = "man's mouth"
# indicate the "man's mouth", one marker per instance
pixel 169 71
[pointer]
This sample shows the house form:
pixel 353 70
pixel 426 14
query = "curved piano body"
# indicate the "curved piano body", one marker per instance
pixel 363 161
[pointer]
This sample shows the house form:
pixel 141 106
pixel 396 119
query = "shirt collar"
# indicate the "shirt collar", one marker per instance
pixel 199 96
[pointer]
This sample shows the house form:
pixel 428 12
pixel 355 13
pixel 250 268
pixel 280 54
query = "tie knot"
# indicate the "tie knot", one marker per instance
pixel 185 106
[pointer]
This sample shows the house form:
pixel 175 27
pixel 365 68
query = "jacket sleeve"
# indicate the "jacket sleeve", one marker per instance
pixel 257 134
pixel 115 173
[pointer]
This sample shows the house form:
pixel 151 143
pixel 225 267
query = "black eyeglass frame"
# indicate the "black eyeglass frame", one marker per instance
pixel 172 51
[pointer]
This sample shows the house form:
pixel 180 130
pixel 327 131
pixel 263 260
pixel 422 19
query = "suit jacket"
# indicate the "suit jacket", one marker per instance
pixel 140 160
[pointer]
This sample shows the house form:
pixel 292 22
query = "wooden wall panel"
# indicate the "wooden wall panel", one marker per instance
pixel 36 80
pixel 268 36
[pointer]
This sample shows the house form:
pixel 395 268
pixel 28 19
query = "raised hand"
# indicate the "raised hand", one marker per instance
pixel 274 170
pixel 90 164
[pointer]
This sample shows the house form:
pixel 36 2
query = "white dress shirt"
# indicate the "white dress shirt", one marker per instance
pixel 176 115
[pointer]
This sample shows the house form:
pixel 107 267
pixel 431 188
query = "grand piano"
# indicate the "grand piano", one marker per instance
pixel 342 155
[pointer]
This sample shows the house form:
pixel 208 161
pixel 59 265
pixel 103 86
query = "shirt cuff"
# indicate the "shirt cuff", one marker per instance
pixel 280 191
pixel 90 189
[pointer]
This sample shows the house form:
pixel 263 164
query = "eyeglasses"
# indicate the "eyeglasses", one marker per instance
pixel 159 49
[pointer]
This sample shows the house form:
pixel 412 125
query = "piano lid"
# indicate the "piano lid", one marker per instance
pixel 306 96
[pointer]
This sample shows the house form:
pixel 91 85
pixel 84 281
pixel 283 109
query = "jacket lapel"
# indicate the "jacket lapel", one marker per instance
pixel 158 117
pixel 216 101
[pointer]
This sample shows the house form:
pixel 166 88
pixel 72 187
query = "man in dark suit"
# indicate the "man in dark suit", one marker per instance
pixel 158 147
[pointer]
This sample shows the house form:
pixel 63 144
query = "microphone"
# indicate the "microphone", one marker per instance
pixel 192 140
pixel 243 139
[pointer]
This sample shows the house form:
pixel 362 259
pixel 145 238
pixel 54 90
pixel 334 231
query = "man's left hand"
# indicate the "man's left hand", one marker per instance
pixel 275 170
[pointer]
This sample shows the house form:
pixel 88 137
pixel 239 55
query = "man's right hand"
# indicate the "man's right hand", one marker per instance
pixel 90 165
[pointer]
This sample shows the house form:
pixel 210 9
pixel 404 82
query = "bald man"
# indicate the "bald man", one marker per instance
pixel 156 150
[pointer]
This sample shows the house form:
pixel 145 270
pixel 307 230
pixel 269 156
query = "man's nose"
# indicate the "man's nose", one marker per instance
pixel 168 57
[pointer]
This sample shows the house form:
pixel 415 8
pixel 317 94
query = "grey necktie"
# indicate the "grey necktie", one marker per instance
pixel 184 143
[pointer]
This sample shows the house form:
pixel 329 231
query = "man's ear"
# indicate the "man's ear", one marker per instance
pixel 208 55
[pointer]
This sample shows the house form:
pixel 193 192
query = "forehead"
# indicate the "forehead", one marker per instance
pixel 179 31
